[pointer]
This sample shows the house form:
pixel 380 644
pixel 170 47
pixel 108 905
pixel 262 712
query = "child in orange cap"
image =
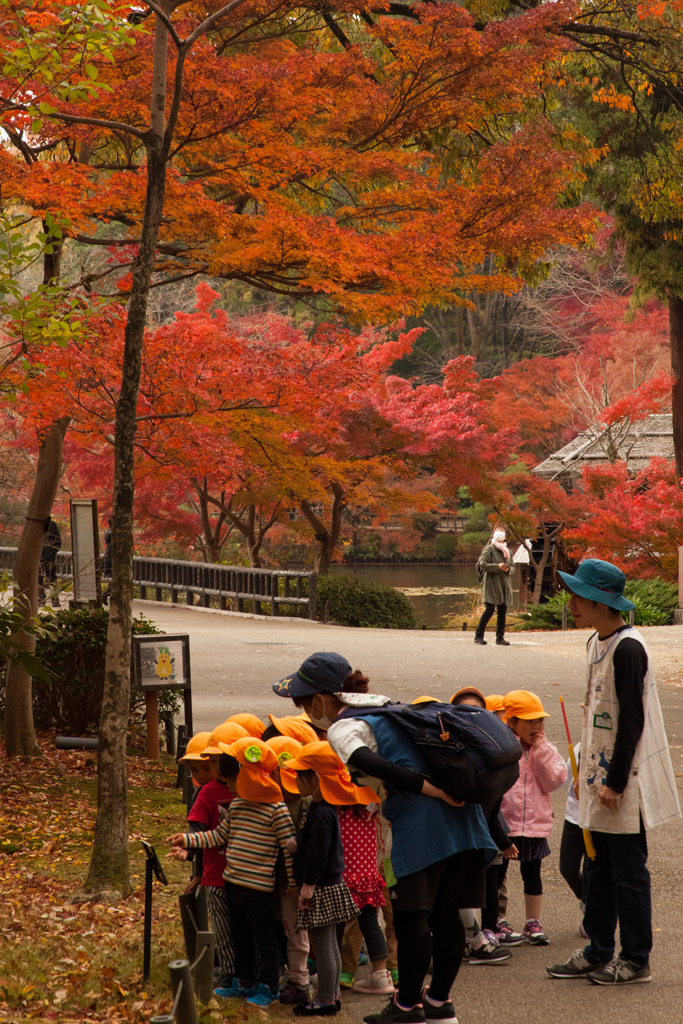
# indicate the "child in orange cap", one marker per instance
pixel 290 725
pixel 296 988
pixel 494 703
pixel 324 898
pixel 253 725
pixel 256 827
pixel 527 807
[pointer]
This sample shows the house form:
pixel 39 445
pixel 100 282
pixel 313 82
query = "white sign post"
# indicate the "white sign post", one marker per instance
pixel 85 545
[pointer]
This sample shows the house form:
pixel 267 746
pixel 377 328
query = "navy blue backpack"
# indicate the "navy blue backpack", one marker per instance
pixel 471 754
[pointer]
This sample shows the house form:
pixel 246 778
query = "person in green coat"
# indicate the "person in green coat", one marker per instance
pixel 495 568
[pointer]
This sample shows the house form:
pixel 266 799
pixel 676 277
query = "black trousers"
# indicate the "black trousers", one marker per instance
pixel 618 890
pixel 572 853
pixel 500 621
pixel 253 926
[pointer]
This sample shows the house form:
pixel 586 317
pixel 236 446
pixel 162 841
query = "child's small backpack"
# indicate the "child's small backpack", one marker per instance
pixel 472 755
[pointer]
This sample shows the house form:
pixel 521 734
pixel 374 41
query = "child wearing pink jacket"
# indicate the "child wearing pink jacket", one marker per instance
pixel 527 807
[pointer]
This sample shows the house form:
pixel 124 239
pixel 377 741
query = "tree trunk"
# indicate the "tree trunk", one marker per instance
pixel 676 342
pixel 109 868
pixel 539 569
pixel 19 731
pixel 327 538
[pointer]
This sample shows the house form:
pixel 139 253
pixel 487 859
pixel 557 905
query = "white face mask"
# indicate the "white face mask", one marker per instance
pixel 499 535
pixel 323 721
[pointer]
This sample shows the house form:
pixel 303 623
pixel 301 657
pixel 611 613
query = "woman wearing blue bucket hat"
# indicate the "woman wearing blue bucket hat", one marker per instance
pixel 626 780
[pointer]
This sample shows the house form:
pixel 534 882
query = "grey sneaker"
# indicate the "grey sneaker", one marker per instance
pixel 620 972
pixel 488 953
pixel 576 967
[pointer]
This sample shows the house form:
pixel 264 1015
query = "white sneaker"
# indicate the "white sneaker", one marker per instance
pixel 377 983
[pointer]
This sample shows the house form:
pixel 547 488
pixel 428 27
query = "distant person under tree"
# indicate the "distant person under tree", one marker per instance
pixel 52 542
pixel 495 567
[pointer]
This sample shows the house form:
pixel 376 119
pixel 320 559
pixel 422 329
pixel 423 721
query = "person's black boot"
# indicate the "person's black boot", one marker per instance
pixel 502 642
pixel 479 640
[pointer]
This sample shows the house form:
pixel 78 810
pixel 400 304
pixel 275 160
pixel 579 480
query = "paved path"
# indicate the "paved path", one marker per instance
pixel 234 662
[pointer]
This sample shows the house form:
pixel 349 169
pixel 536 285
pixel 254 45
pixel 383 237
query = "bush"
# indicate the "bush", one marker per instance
pixel 549 614
pixel 356 602
pixel 655 600
pixel 445 547
pixel 74 656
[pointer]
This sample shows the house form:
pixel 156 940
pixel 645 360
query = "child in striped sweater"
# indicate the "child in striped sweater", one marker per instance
pixel 256 827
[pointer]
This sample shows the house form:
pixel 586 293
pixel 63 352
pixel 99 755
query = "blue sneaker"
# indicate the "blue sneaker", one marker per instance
pixel 262 995
pixel 235 991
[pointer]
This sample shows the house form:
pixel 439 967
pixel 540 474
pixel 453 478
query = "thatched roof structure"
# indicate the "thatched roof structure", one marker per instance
pixel 634 443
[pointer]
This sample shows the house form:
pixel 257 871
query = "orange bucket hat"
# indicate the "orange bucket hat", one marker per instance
pixel 523 704
pixel 494 702
pixel 335 781
pixel 292 725
pixel 426 700
pixel 195 746
pixel 257 760
pixel 286 748
pixel 253 725
pixel 228 732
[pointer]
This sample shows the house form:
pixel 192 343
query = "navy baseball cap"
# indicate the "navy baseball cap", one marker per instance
pixel 598 581
pixel 321 673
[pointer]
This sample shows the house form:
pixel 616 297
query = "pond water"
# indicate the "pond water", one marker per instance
pixel 435 591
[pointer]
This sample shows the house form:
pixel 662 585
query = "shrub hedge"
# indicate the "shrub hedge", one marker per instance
pixel 655 600
pixel 72 699
pixel 356 602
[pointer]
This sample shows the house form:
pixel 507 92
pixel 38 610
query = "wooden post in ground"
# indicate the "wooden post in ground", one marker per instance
pixel 152 719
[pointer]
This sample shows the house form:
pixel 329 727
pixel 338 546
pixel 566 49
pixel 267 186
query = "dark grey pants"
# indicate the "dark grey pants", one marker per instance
pixel 489 609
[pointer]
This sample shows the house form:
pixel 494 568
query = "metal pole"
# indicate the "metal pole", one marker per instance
pixel 204 951
pixel 186 1012
pixel 169 728
pixel 161 1018
pixel 194 918
pixel 147 940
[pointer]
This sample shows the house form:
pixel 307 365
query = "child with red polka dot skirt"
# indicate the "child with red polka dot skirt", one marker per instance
pixel 358 826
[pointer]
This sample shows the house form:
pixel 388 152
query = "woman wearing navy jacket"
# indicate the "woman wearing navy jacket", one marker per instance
pixel 440 848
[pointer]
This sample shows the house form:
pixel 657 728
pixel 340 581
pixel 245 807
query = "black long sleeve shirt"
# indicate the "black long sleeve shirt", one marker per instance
pixel 319 857
pixel 630 669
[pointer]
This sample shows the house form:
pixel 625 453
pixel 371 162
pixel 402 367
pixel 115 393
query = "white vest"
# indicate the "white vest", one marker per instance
pixel 651 789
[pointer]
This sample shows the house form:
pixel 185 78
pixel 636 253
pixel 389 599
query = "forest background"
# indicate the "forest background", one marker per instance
pixel 283 279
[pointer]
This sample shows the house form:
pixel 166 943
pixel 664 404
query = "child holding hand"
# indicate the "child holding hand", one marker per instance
pixel 527 807
pixel 324 897
pixel 255 828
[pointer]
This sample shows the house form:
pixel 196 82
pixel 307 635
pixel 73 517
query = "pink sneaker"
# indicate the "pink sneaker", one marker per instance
pixel 534 934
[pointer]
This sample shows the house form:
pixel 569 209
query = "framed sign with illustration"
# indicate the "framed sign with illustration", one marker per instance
pixel 162 662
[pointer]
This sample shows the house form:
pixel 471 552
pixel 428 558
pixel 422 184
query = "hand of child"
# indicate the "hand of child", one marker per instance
pixel 575 785
pixel 291 845
pixel 609 799
pixel 177 853
pixel 439 794
pixel 194 884
pixel 512 853
pixel 305 896
pixel 176 839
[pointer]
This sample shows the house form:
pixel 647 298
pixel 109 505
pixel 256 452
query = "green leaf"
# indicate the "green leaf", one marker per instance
pixel 36 125
pixel 91 71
